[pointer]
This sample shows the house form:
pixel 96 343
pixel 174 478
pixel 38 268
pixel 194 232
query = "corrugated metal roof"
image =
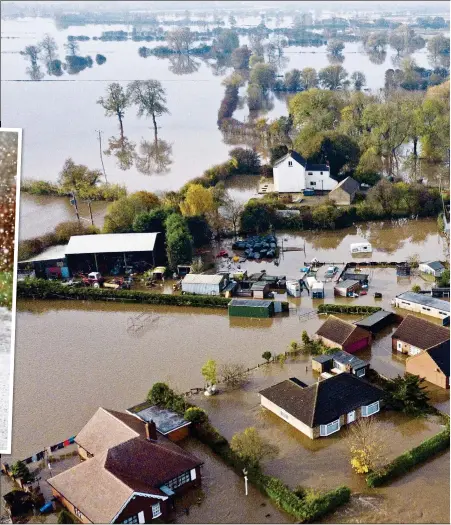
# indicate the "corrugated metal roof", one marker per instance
pixel 346 284
pixel 50 254
pixel 200 278
pixel 250 302
pixel 425 300
pixel 111 243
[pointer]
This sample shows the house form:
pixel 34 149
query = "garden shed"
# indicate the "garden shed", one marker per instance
pixel 201 284
pixel 260 289
pixel 251 308
pixel 346 288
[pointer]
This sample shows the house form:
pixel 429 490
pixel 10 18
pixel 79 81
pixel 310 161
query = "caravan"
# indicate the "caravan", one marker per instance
pixel 361 247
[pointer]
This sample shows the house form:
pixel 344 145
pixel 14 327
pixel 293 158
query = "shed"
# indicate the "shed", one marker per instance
pixel 317 290
pixel 203 284
pixel 251 308
pixel 355 276
pixel 377 321
pixel 344 192
pixel 340 360
pixel 434 268
pixel 346 288
pixel 260 289
pixel 113 253
pixel 50 263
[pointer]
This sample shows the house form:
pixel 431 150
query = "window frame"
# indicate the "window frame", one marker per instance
pixel 180 480
pixel 290 163
pixel 323 430
pixel 132 519
pixel 365 408
pixel 156 510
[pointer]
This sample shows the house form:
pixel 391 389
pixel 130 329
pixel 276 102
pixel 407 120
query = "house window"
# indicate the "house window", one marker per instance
pixel 156 510
pixel 79 514
pixel 330 428
pixel 369 410
pixel 132 519
pixel 320 172
pixel 179 480
pixel 309 173
pixel 399 346
pixel 313 184
pixel 290 163
pixel 284 415
pixel 360 372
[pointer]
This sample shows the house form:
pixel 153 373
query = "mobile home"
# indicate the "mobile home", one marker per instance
pixel 361 247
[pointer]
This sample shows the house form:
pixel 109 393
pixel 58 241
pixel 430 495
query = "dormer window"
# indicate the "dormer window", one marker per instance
pixel 290 163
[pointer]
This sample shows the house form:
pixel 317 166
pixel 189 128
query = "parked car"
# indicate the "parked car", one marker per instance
pixel 331 271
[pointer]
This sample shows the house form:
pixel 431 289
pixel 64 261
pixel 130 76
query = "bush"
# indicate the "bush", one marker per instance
pixel 196 415
pixel 65 517
pixel 43 289
pixel 159 393
pixel 100 192
pixel 410 459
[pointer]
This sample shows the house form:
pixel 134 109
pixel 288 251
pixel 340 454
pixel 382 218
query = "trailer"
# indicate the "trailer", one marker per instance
pixel 361 247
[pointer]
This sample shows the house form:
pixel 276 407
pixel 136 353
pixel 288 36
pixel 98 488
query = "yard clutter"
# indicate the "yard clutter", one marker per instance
pixel 324 407
pixel 258 247
pixel 338 362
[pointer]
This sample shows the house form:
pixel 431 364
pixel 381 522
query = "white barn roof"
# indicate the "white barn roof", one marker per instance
pixel 111 243
pixel 50 254
pixel 199 278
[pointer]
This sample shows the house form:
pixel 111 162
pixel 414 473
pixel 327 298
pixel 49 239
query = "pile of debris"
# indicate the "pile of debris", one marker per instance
pixel 258 247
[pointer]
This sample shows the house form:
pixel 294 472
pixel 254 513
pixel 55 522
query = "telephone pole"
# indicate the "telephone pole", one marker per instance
pixel 73 201
pixel 101 155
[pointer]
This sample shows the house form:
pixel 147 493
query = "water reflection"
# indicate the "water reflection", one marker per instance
pixel 34 72
pixel 123 150
pixel 377 57
pixel 183 64
pixel 154 157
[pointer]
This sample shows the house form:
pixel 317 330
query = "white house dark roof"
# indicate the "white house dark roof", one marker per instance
pixel 425 300
pixel 435 265
pixel 111 243
pixel 294 155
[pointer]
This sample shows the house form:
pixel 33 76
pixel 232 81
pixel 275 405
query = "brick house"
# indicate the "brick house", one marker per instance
pixel 323 408
pixel 131 474
pixel 415 335
pixel 336 333
pixel 432 365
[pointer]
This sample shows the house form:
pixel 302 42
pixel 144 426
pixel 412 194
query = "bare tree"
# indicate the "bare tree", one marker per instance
pixel 233 375
pixel 367 444
pixel 115 103
pixel 49 47
pixel 232 211
pixel 150 97
pixel 72 47
pixel 252 448
pixel 32 52
pixel 180 40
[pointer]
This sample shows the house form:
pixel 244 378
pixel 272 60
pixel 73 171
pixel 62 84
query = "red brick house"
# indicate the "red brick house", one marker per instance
pixel 415 335
pixel 336 333
pixel 132 473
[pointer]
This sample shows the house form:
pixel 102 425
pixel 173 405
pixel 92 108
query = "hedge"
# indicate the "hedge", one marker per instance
pixel 101 192
pixel 410 459
pixel 347 309
pixel 43 289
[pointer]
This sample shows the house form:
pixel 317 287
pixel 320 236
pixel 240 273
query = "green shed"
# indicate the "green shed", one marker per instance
pixel 251 308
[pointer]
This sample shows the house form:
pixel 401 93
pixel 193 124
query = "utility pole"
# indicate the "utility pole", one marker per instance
pixel 101 155
pixel 90 211
pixel 73 201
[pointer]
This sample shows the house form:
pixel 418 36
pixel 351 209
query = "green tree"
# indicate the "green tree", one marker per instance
pixel 122 213
pixel 443 280
pixel 159 394
pixel 267 356
pixel 114 103
pixel 358 79
pixel 150 97
pixel 335 47
pixel 179 243
pixel 325 215
pixel 333 77
pixel 226 41
pixel 255 97
pixel 77 177
pixel 247 160
pixel 416 288
pixel 292 81
pixel 256 59
pixel 150 221
pixel 309 78
pixel 198 201
pixel 209 371
pixel 196 415
pixel 199 229
pixel 20 471
pixel 252 448
pixel 263 75
pixel 407 394
pixel 256 217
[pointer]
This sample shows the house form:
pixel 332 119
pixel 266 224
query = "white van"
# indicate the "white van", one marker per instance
pixel 361 247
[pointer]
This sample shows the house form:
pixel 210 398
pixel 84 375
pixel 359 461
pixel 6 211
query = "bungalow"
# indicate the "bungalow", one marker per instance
pixel 131 474
pixel 434 268
pixel 415 335
pixel 324 407
pixel 432 365
pixel 423 304
pixel 293 174
pixel 338 362
pixel 344 192
pixel 346 288
pixel 336 333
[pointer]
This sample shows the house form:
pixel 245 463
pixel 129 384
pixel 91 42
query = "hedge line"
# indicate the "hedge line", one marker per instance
pixel 347 309
pixel 43 289
pixel 101 192
pixel 410 459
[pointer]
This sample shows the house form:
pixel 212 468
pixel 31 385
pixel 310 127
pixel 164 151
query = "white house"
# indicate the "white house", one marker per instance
pixel 293 174
pixel 434 268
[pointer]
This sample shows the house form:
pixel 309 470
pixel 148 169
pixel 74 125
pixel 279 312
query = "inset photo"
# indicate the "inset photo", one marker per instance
pixel 10 155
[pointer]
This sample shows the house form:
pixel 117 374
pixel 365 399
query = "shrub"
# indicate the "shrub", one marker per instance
pixel 159 393
pixel 196 415
pixel 347 309
pixel 65 517
pixel 407 461
pixel 267 356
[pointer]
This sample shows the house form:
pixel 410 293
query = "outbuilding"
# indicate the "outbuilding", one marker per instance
pixel 49 264
pixel 434 268
pixel 204 284
pixel 251 308
pixel 423 304
pixel 344 192
pixel 114 253
pixel 346 288
pixel 336 333
pixel 260 289
pixel 377 321
pixel 340 361
pixel 356 276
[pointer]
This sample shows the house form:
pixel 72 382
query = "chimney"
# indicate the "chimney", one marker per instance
pixel 151 431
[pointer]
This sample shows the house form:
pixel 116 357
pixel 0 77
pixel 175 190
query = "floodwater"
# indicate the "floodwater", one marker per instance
pixel 194 91
pixel 5 374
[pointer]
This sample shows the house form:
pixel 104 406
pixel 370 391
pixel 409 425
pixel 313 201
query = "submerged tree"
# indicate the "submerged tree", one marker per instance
pixel 77 177
pixel 123 150
pixel 114 103
pixel 368 445
pixel 72 47
pixel 150 97
pixel 32 53
pixel 153 157
pixel 49 46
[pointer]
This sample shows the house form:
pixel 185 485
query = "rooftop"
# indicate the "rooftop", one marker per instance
pixel 253 303
pixel 425 300
pixel 421 333
pixel 441 356
pixel 347 283
pixel 294 155
pixel 435 265
pixel 324 401
pixel 349 185
pixel 165 420
pixel 375 318
pixel 340 331
pixel 111 243
pixel 341 357
pixel 50 254
pixel 201 278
